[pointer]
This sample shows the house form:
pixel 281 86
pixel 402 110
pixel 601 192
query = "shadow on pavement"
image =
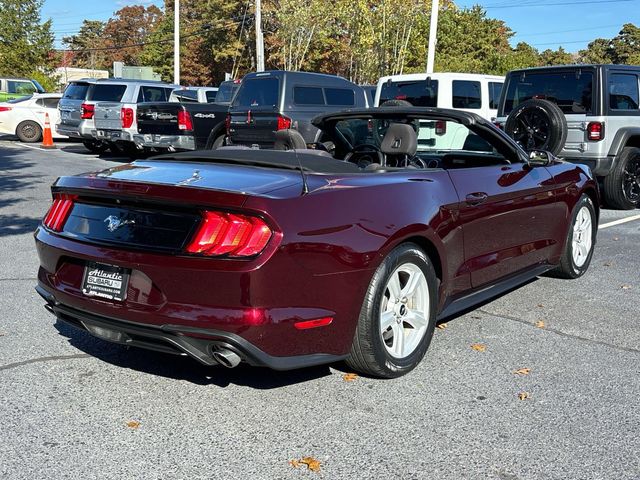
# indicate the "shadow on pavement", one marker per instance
pixel 13 184
pixel 184 368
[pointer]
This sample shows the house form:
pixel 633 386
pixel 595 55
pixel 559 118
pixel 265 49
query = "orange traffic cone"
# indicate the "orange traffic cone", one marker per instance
pixel 47 138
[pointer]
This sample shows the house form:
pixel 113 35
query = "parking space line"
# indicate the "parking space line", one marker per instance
pixel 618 222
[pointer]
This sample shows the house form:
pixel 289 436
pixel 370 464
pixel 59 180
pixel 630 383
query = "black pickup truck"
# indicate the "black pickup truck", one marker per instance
pixel 174 126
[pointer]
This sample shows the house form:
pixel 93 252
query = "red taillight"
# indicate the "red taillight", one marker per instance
pixel 184 120
pixel 441 127
pixel 595 131
pixel 86 111
pixel 229 234
pixel 227 124
pixel 284 123
pixel 5 109
pixel 126 117
pixel 59 211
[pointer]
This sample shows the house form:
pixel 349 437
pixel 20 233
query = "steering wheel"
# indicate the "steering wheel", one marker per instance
pixel 366 153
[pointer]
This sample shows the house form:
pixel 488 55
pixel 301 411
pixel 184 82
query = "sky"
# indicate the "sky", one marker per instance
pixel 570 24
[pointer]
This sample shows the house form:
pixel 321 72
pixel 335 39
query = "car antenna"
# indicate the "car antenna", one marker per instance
pixel 305 186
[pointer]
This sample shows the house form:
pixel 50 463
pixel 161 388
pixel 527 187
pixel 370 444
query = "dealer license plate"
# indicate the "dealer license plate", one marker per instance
pixel 105 281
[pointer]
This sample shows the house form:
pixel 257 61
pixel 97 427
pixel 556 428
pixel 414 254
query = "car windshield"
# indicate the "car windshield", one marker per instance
pixel 419 93
pixel 570 90
pixel 431 135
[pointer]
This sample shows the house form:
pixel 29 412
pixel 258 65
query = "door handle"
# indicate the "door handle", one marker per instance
pixel 476 198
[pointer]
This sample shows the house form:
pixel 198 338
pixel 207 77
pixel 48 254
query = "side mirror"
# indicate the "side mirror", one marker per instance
pixel 540 158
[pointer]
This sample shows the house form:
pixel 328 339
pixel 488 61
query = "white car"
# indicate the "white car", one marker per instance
pixel 25 116
pixel 470 92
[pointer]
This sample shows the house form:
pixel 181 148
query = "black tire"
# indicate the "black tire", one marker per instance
pixel 622 185
pixel 29 132
pixel 216 139
pixel 369 354
pixel 568 267
pixel 95 146
pixel 538 125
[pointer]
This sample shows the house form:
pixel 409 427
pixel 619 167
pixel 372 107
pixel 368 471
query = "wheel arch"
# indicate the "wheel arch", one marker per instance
pixel 625 137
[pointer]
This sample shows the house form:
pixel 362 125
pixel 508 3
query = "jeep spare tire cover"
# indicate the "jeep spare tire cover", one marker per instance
pixel 537 124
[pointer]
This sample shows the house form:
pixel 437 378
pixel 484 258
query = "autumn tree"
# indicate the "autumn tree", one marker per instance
pixel 130 27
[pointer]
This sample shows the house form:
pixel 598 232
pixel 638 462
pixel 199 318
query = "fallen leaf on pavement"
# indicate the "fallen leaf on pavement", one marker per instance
pixel 441 326
pixel 541 305
pixel 2 334
pixel 133 424
pixel 311 463
pixel 522 371
pixel 349 377
pixel 625 287
pixel 540 324
pixel 607 264
pixel 478 347
pixel 523 395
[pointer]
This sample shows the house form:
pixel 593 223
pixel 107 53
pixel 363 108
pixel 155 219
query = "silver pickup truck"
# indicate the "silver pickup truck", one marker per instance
pixel 116 103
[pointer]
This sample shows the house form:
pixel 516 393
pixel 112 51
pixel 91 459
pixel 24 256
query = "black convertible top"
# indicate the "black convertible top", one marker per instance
pixel 289 159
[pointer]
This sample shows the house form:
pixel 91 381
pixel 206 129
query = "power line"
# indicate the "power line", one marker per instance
pixel 566 31
pixel 531 5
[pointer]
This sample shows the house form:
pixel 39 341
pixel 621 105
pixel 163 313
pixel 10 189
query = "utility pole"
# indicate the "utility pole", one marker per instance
pixel 176 42
pixel 259 39
pixel 433 30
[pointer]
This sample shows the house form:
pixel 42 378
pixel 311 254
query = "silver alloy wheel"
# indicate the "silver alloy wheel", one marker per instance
pixel 404 311
pixel 582 238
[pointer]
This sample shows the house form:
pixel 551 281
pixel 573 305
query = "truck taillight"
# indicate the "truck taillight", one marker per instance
pixel 59 211
pixel 595 131
pixel 227 124
pixel 441 127
pixel 86 111
pixel 184 120
pixel 229 234
pixel 126 117
pixel 284 123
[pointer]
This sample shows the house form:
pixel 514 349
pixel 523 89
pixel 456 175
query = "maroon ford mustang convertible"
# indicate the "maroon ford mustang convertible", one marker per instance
pixel 292 257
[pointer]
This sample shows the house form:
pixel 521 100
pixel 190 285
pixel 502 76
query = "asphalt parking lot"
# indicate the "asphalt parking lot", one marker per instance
pixel 72 406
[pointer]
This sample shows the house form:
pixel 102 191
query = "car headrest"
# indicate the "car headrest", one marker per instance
pixel 400 139
pixel 289 140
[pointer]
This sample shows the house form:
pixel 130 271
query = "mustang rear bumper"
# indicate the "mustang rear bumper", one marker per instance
pixel 197 343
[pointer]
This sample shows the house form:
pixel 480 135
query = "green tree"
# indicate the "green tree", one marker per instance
pixel 26 43
pixel 625 47
pixel 557 57
pixel 598 51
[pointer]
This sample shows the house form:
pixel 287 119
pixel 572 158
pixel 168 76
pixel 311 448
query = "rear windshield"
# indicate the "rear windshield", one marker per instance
pixel 570 90
pixel 76 91
pixel 225 92
pixel 420 93
pixel 106 92
pixel 258 93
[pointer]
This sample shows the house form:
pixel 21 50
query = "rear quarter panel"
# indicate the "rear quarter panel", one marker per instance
pixel 343 229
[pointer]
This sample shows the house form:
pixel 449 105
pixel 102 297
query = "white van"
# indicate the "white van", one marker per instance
pixel 470 92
